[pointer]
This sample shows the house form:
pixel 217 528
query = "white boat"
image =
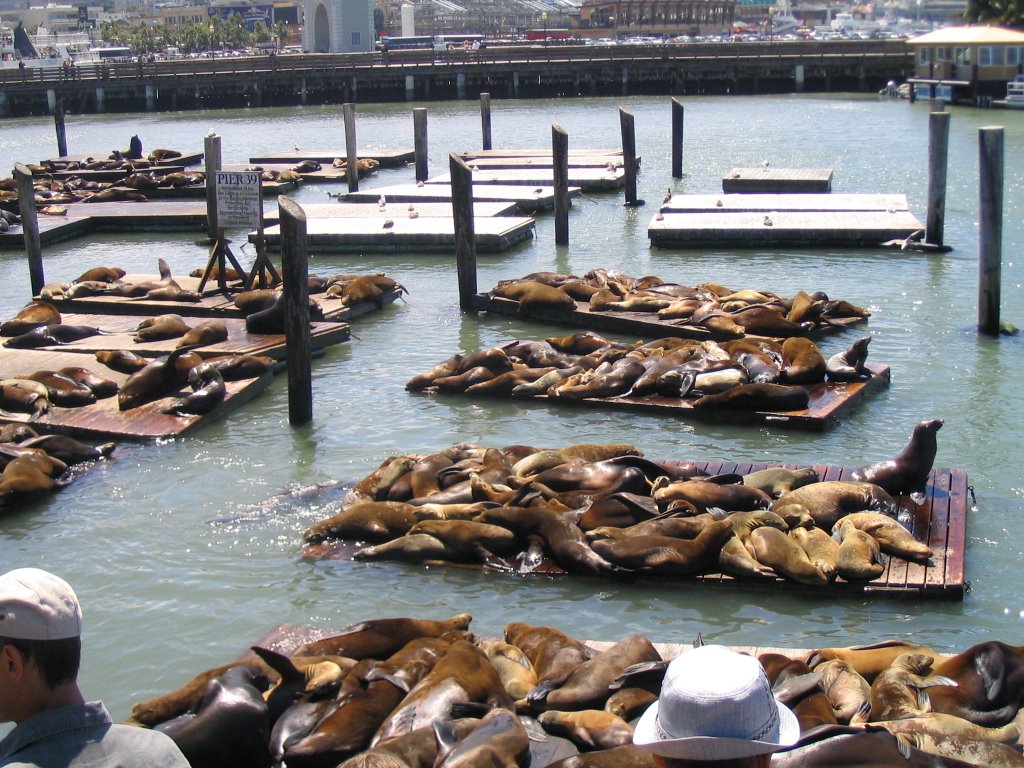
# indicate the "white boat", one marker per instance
pixel 1014 95
pixel 47 50
pixel 848 23
pixel 782 19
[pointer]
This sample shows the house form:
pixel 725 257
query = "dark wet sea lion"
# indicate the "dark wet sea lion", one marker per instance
pixel 618 380
pixel 665 555
pixel 52 335
pixel 849 365
pixel 499 740
pixel 23 401
pixel 237 367
pixel 100 387
pixel 62 390
pixel 908 472
pixel 990 683
pixel 370 520
pixel 703 493
pixel 156 380
pixel 32 315
pixel 101 274
pixel 254 300
pixel 379 638
pixel 840 746
pixel 776 481
pixel 811 706
pixel 69 450
pixel 160 327
pixel 627 756
pixel 757 397
pixel 27 477
pixel 209 391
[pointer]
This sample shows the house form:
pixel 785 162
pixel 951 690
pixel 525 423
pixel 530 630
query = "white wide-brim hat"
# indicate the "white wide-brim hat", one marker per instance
pixel 715 704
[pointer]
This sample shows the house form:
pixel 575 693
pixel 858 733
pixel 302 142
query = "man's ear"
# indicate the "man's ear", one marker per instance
pixel 11 660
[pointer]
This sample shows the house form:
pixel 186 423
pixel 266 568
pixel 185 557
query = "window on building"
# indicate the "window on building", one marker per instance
pixel 925 56
pixel 356 39
pixel 990 56
pixel 961 55
pixel 942 53
pixel 1014 55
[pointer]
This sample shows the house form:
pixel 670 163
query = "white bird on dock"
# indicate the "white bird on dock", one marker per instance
pixel 419 183
pixel 388 223
pixel 210 135
pixel 718 203
pixel 382 203
pixel 767 221
pixel 413 214
pixel 764 164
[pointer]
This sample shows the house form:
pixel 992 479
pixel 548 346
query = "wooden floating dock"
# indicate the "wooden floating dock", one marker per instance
pixel 829 401
pixel 643 324
pixel 702 222
pixel 770 203
pixel 388 158
pixel 347 210
pixel 767 179
pixel 103 419
pixel 112 174
pixel 326 175
pixel 493 234
pixel 540 198
pixel 538 158
pixel 587 179
pixel 186 158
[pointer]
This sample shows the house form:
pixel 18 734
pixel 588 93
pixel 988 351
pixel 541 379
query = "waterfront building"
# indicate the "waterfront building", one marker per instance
pixel 967 62
pixel 664 18
pixel 338 26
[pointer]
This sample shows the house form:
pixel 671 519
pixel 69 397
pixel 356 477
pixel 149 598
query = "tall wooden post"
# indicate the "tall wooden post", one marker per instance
pixel 560 166
pixel 938 151
pixel 628 128
pixel 30 227
pixel 990 245
pixel 677 138
pixel 295 269
pixel 211 157
pixel 485 119
pixel 465 233
pixel 419 136
pixel 58 123
pixel 351 148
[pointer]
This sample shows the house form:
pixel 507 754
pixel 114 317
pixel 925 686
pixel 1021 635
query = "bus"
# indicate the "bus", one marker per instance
pixel 457 40
pixel 403 43
pixel 111 53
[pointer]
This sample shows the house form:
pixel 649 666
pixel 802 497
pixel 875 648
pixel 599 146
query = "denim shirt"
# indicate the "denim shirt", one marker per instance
pixel 83 736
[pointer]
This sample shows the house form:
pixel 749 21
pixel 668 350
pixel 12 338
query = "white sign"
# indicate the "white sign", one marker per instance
pixel 238 199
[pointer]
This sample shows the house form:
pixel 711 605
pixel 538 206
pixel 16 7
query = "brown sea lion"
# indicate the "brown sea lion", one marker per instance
pixel 372 520
pixel 537 462
pixel 849 365
pixel 908 472
pixel 580 343
pixel 941 725
pixel 23 401
pixel 629 703
pixel 703 493
pixel 822 550
pixel 62 391
pixel 513 667
pixel 254 300
pixel 890 534
pixel 208 392
pixel 869 660
pixel 802 361
pixel 860 557
pixel 554 654
pixel 808 702
pixel 205 333
pixel 990 754
pixel 840 746
pixel 160 327
pixel 666 556
pixel 237 367
pixel 499 740
pixel 990 683
pixel 33 315
pixel 26 478
pixel 894 692
pixel 829 500
pixel 156 380
pixel 626 756
pixel 776 481
pixel 410 548
pixel 122 360
pixel 68 449
pixel 766 320
pixel 847 690
pixel 472 540
pixel 588 729
pixel 503 384
pixel 53 334
pixel 379 638
pixel 532 295
pixel 101 274
pixel 757 397
pixel 777 550
pixel 735 559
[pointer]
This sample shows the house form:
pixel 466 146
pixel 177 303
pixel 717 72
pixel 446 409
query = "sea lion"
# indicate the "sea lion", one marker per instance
pixel 941 725
pixel 588 729
pixel 238 367
pixel 205 333
pixel 735 559
pixel 16 433
pixel 775 549
pixel 622 511
pixel 513 667
pixel 254 300
pixel 848 365
pixel 822 550
pixel 757 397
pixel 154 381
pixel 116 194
pixel 410 548
pixel 208 392
pixel 99 386
pixel 503 384
pixel 160 327
pixel 588 687
pixel 52 334
pixel 869 660
pixel 541 460
pixel 990 754
pixel 68 449
pixel 766 320
pixel 580 343
pixel 617 380
pixel 666 556
pixel 554 654
pixel 626 756
pixel 62 391
pixel 23 401
pixel 532 295
pixel 908 472
pixel 829 500
pixel 894 691
pixel 799 688
pixel 101 274
pixel 473 541
pixel 541 385
pixel 372 520
pixel 29 476
pixel 499 740
pixel 704 493
pixel 990 681
pixel 802 361
pixel 33 315
pixel 890 534
pixel 629 703
pixel 860 557
pixel 379 638
pixel 846 689
pixel 122 360
pixel 841 746
pixel 776 481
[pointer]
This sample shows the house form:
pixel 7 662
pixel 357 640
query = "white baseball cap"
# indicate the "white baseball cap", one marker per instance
pixel 36 605
pixel 715 704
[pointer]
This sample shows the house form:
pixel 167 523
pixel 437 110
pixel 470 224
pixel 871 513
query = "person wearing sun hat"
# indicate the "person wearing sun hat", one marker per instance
pixel 40 653
pixel 715 708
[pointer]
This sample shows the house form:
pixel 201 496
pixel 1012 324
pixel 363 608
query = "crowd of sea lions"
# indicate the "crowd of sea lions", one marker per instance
pixel 743 374
pixel 418 693
pixel 722 311
pixel 603 509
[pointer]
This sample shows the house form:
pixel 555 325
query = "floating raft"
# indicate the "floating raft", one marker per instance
pixel 644 324
pixel 493 234
pixel 543 158
pixel 347 210
pixel 388 158
pixel 112 174
pixel 790 220
pixel 540 198
pixel 829 401
pixel 191 158
pixel 103 419
pixel 587 179
pixel 326 175
pixel 777 180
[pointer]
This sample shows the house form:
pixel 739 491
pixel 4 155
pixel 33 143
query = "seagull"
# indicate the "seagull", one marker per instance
pixel 667 196
pixel 764 164
pixel 296 147
pixel 911 240
pixel 388 223
pixel 412 207
pixel 382 203
pixel 718 203
pixel 419 183
pixel 767 221
pixel 210 135
pixel 413 214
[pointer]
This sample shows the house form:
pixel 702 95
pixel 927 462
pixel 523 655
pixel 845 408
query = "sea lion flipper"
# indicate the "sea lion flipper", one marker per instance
pixel 904 744
pixel 280 664
pixel 445 735
pixel 377 674
pixel 474 709
pixel 540 692
pixel 165 271
pixel 795 688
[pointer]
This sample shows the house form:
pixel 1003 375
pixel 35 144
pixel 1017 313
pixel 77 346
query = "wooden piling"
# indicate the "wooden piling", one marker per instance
pixel 419 133
pixel 351 148
pixel 560 169
pixel 465 234
pixel 485 119
pixel 990 245
pixel 211 156
pixel 628 129
pixel 938 151
pixel 58 123
pixel 295 270
pixel 677 138
pixel 30 227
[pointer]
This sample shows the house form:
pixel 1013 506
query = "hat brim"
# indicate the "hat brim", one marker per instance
pixel 712 747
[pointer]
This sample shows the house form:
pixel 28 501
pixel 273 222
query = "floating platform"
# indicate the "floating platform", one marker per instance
pixel 493 234
pixel 326 175
pixel 541 198
pixel 643 324
pixel 347 210
pixel 103 419
pixel 768 179
pixel 112 174
pixel 388 158
pixel 540 158
pixel 186 158
pixel 707 220
pixel 587 179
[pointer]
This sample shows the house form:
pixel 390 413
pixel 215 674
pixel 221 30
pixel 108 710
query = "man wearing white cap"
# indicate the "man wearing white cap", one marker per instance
pixel 716 708
pixel 40 652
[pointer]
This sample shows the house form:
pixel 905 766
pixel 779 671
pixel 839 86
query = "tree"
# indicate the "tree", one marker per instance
pixel 1008 13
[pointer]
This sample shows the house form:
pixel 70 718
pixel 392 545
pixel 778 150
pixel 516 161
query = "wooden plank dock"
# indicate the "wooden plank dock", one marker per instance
pixel 541 158
pixel 768 203
pixel 326 175
pixel 388 158
pixel 186 158
pixel 768 179
pixel 643 324
pixel 347 210
pixel 112 174
pixel 401 234
pixel 527 200
pixel 587 179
